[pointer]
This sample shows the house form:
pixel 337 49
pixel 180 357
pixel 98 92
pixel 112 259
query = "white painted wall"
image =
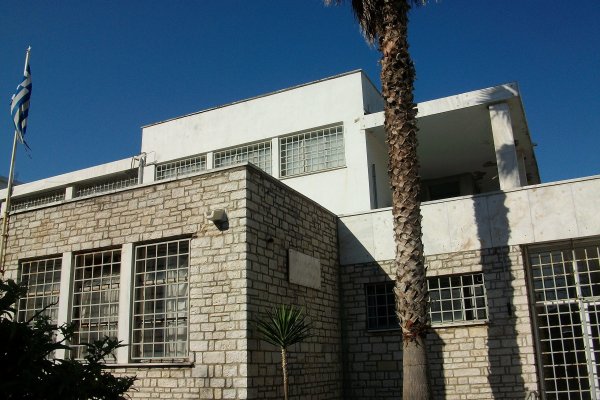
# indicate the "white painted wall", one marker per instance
pixel 341 99
pixel 377 153
pixel 70 178
pixel 372 100
pixel 292 110
pixel 535 214
pixel 330 101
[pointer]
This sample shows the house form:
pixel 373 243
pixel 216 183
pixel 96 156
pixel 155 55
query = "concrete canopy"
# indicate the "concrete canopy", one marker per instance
pixel 455 136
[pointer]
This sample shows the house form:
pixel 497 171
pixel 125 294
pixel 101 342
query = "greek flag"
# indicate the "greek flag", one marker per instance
pixel 19 105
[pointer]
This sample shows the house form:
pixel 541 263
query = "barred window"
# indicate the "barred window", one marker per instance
pixel 34 201
pixel 181 167
pixel 312 151
pixel 457 298
pixel 160 303
pixel 95 298
pixel 258 154
pixel 43 287
pixel 381 309
pixel 130 179
pixel 565 283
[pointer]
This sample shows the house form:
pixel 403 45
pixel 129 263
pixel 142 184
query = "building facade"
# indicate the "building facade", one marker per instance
pixel 284 199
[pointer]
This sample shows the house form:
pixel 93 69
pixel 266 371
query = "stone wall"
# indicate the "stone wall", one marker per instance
pixel 235 275
pixel 280 219
pixel 218 282
pixel 476 360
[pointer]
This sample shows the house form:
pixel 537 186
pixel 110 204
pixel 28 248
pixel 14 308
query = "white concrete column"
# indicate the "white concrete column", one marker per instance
pixel 69 192
pixel 209 160
pixel 275 157
pixel 125 307
pixel 504 144
pixel 64 297
pixel 149 173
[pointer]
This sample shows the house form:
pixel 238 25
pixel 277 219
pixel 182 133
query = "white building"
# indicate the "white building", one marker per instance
pixel 513 264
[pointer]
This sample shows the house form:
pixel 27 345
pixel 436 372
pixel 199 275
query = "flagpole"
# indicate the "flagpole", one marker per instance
pixel 9 188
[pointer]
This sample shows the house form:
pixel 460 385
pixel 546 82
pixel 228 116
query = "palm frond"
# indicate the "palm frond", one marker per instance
pixel 369 14
pixel 285 326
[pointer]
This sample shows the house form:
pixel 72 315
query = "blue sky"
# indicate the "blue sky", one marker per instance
pixel 103 69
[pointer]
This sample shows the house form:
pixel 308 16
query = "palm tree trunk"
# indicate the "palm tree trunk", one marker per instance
pixel 285 372
pixel 397 78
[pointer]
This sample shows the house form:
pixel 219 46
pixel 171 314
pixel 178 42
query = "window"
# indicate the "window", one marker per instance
pixel 43 282
pixel 381 308
pixel 160 301
pixel 455 298
pixel 95 298
pixel 258 154
pixel 565 283
pixel 126 179
pixel 312 151
pixel 182 167
pixel 40 200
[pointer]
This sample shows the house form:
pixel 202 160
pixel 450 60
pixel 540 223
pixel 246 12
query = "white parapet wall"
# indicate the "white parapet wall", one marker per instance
pixel 534 214
pixel 66 183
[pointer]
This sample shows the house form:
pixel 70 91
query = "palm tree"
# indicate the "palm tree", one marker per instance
pixel 284 327
pixel 386 21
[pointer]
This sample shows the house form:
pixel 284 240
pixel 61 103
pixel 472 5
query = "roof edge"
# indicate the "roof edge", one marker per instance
pixel 257 97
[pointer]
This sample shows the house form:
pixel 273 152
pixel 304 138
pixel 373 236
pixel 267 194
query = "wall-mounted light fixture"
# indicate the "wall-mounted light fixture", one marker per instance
pixel 219 218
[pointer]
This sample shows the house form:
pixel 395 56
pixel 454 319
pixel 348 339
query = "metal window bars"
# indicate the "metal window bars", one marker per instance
pixel 95 300
pixel 312 151
pixel 454 299
pixel 106 186
pixel 181 167
pixel 258 154
pixel 160 303
pixel 34 201
pixel 457 298
pixel 43 288
pixel 566 288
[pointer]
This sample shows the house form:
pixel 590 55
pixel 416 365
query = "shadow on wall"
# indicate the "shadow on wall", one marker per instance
pixel 372 341
pixel 505 373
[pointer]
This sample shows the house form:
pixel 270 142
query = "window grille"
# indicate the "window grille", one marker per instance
pixel 258 154
pixel 160 304
pixel 381 308
pixel 107 186
pixel 43 287
pixel 455 298
pixel 23 204
pixel 312 151
pixel 566 287
pixel 95 298
pixel 182 167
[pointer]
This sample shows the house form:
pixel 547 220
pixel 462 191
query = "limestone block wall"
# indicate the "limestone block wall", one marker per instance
pixel 476 360
pixel 280 219
pixel 218 366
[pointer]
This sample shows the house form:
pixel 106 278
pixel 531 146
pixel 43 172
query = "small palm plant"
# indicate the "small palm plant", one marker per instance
pixel 283 327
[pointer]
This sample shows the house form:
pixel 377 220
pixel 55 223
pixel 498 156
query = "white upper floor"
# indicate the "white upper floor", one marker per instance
pixel 326 140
